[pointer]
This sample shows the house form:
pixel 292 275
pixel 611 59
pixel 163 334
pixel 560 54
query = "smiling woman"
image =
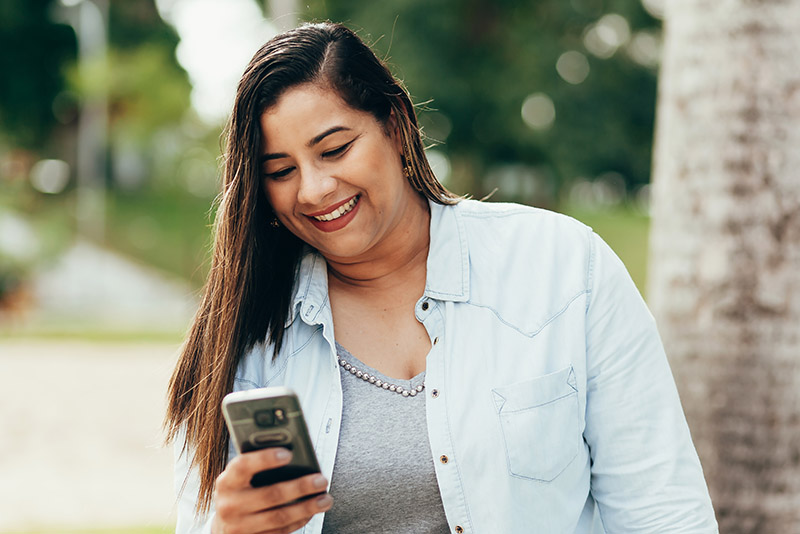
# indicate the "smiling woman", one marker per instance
pixel 462 367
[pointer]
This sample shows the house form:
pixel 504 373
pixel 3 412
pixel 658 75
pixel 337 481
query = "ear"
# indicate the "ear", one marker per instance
pixel 393 131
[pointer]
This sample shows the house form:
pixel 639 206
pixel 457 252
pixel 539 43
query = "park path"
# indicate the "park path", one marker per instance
pixel 80 436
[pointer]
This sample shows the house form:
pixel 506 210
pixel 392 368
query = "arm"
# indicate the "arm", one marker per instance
pixel 646 476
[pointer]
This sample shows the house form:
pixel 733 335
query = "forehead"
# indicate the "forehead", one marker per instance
pixel 302 112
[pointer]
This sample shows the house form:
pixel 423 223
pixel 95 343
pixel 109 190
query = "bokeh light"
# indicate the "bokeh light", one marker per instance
pixel 50 176
pixel 645 48
pixel 654 7
pixel 440 164
pixel 18 239
pixel 538 111
pixel 573 67
pixel 604 37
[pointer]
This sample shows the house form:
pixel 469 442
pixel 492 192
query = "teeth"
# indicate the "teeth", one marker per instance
pixel 341 210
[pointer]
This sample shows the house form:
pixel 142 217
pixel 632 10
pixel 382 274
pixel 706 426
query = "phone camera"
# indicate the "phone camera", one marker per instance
pixel 264 418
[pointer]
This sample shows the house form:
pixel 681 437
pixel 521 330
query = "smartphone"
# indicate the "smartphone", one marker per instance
pixel 270 417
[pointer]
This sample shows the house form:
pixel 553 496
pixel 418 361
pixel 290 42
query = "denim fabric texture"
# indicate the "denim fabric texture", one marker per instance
pixel 547 388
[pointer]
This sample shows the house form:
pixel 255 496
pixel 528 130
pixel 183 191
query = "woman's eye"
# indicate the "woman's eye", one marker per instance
pixel 279 174
pixel 337 151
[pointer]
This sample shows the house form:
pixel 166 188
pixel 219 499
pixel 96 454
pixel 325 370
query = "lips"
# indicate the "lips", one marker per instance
pixel 343 209
pixel 336 218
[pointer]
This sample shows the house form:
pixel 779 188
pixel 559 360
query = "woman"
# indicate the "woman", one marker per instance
pixel 463 367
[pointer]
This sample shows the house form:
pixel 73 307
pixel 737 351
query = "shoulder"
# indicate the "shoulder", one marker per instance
pixel 503 232
pixel 527 264
pixel 534 222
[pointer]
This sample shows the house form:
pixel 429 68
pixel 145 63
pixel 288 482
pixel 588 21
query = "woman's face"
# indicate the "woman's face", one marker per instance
pixel 333 174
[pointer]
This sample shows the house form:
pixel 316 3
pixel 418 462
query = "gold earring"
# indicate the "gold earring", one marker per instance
pixel 274 222
pixel 407 171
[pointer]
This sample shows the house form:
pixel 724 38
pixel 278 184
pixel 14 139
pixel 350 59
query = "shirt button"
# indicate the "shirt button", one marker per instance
pixel 435 340
pixel 435 393
pixel 425 306
pixel 443 458
pixel 459 529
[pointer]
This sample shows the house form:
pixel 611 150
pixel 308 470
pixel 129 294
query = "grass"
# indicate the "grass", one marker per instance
pixel 167 230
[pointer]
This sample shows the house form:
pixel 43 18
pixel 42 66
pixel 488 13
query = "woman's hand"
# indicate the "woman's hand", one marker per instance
pixel 243 509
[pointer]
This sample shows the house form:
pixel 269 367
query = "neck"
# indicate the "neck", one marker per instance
pixel 401 258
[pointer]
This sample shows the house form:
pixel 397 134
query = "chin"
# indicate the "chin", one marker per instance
pixel 342 251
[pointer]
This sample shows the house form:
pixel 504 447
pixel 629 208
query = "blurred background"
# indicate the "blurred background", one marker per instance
pixel 110 119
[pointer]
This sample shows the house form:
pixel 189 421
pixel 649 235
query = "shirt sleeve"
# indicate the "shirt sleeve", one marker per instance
pixel 646 476
pixel 187 486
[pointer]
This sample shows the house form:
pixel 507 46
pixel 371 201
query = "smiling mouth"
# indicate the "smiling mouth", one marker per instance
pixel 344 209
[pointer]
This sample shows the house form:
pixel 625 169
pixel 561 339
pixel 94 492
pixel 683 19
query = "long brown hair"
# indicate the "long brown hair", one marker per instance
pixel 250 285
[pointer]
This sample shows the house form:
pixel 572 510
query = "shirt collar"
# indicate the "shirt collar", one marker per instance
pixel 448 257
pixel 448 267
pixel 311 286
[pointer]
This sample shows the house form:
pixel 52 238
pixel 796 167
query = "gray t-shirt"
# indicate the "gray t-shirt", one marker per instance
pixel 383 478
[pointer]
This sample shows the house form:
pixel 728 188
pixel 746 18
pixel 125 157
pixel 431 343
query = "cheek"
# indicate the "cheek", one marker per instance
pixel 275 196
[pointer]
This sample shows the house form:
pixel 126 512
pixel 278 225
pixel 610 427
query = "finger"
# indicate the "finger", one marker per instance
pixel 278 519
pixel 282 493
pixel 241 469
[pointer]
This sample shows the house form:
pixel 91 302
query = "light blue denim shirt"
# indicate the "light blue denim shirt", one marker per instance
pixel 548 393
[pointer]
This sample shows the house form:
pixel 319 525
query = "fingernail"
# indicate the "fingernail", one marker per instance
pixel 282 455
pixel 319 482
pixel 324 501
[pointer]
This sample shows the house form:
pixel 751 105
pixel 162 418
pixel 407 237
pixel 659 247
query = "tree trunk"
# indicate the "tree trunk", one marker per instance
pixel 725 248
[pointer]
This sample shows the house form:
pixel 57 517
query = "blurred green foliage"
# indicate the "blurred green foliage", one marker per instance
pixel 476 61
pixel 146 89
pixel 470 63
pixel 150 133
pixel 35 53
pixel 41 88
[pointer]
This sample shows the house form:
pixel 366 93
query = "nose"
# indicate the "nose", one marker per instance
pixel 315 185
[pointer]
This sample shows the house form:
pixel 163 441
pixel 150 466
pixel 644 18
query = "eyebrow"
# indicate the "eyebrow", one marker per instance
pixel 316 140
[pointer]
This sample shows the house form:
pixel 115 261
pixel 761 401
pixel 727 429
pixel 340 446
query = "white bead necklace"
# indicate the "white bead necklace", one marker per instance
pixel 366 377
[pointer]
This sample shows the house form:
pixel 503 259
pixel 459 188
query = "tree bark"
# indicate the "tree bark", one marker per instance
pixel 725 248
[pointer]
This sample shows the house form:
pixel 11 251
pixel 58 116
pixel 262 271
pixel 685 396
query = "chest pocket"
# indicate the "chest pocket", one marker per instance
pixel 540 423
